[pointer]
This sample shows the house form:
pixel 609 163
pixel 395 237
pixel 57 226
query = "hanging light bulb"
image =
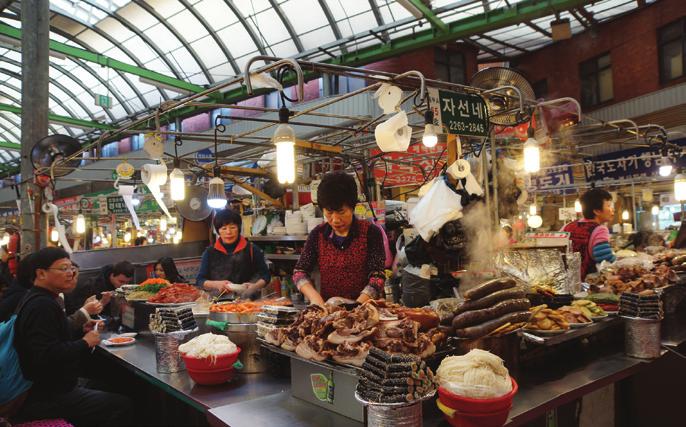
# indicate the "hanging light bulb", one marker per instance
pixel 135 201
pixel 216 197
pixel 163 224
pixel 577 206
pixel 54 235
pixel 177 184
pixel 177 237
pixel 532 209
pixel 625 215
pixel 127 237
pixel 429 139
pixel 534 221
pixel 655 210
pixel 680 187
pixel 665 166
pixel 284 139
pixel 80 224
pixel 532 153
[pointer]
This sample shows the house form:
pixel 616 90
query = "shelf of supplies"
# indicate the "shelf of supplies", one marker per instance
pixel 289 257
pixel 299 238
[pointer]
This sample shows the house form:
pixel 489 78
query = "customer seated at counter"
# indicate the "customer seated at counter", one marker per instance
pixel 165 269
pixel 232 264
pixel 589 235
pixel 111 277
pixel 23 283
pixel 50 355
pixel 348 252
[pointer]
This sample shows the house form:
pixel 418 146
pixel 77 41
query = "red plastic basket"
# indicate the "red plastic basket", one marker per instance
pixel 478 406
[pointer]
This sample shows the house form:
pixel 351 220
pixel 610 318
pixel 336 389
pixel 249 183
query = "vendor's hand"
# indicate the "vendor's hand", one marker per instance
pixel 105 298
pixel 93 306
pixel 250 290
pixel 92 338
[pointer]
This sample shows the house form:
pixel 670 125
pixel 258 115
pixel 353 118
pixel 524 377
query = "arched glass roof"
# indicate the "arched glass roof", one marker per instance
pixel 202 42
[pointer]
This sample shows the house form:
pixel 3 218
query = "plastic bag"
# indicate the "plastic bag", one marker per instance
pixel 438 206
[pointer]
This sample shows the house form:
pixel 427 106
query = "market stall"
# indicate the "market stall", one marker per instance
pixel 451 282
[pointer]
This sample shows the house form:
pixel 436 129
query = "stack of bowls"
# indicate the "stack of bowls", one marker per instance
pixel 211 370
pixel 463 411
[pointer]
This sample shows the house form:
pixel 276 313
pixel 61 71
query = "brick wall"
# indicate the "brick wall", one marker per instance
pixel 631 41
pixel 422 60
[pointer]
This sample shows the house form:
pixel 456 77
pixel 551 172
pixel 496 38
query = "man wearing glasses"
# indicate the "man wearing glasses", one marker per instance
pixel 50 355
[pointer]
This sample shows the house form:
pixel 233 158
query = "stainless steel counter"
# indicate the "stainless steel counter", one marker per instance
pixel 140 359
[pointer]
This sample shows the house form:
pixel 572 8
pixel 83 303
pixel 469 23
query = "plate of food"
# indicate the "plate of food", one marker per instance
pixel 575 317
pixel 598 318
pixel 118 341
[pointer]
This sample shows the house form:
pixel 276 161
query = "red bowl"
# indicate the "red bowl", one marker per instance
pixel 477 406
pixel 476 419
pixel 224 361
pixel 218 376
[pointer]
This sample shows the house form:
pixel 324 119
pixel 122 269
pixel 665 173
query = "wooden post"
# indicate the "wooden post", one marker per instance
pixel 452 153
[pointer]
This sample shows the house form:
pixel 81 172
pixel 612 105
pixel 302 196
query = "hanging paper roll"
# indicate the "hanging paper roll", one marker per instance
pixel 126 193
pixel 50 208
pixel 155 176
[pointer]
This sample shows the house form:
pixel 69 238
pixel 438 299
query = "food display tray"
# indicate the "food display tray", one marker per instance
pixel 349 369
pixel 572 334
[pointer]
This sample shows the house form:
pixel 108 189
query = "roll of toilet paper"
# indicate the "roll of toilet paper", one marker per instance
pixel 154 176
pixel 126 193
pixel 394 134
pixel 60 228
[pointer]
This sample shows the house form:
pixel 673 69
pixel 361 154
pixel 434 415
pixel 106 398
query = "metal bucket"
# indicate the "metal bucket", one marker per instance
pixel 244 335
pixel 642 337
pixel 394 416
pixel 167 354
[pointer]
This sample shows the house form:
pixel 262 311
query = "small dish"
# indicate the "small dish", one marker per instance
pixel 118 341
pixel 542 332
pixel 580 325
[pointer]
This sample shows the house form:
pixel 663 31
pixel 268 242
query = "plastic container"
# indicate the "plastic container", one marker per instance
pixel 465 419
pixel 211 377
pixel 478 406
pixel 223 361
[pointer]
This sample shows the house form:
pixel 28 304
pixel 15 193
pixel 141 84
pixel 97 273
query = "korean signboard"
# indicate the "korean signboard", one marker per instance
pixel 553 178
pixel 458 113
pixel 634 163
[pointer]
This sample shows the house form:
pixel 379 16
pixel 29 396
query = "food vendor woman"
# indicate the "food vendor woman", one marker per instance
pixel 348 252
pixel 232 264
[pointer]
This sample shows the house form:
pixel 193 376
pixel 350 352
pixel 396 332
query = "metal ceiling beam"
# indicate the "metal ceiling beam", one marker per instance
pixel 288 25
pixel 523 11
pixel 486 49
pixel 74 38
pixel 8 130
pixel 246 25
pixel 214 35
pixel 332 22
pixel 151 10
pixel 588 15
pixel 106 61
pixel 503 43
pixel 53 81
pixel 539 29
pixel 18 102
pixel 581 21
pixel 129 26
pixel 60 119
pixel 10 146
pixel 430 16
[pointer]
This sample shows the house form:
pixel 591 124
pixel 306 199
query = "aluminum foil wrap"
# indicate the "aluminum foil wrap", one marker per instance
pixel 535 267
pixel 167 350
pixel 573 272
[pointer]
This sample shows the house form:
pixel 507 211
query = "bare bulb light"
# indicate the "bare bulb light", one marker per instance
pixel 429 139
pixel 665 166
pixel 532 156
pixel 284 139
pixel 216 197
pixel 54 235
pixel 655 210
pixel 625 215
pixel 177 185
pixel 532 210
pixel 163 224
pixel 80 224
pixel 680 187
pixel 534 221
pixel 577 206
